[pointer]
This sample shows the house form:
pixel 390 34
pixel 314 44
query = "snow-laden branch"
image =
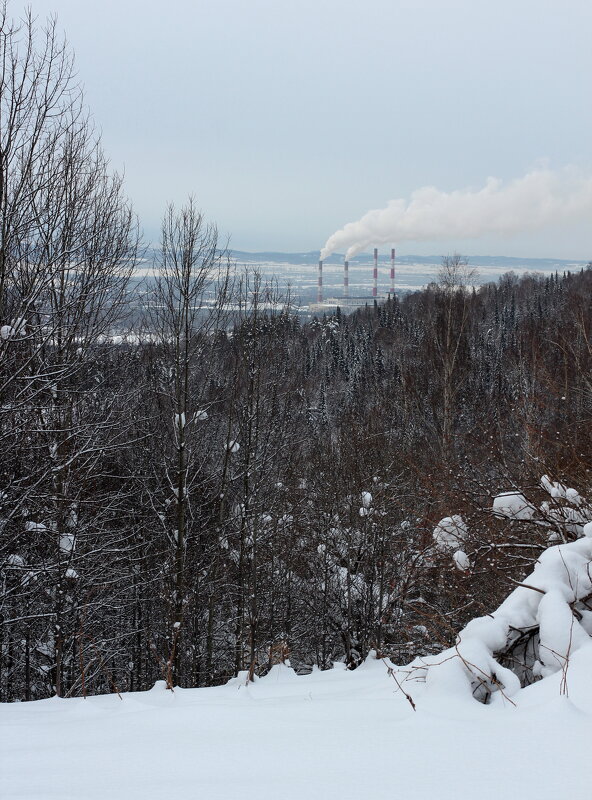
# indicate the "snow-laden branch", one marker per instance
pixel 531 634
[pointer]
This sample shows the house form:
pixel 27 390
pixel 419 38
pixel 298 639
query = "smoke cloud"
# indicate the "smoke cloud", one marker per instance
pixel 539 199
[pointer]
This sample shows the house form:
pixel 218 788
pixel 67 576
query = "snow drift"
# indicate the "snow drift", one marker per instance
pixel 336 735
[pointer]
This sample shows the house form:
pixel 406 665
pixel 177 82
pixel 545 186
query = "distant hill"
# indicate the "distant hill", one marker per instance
pixel 312 257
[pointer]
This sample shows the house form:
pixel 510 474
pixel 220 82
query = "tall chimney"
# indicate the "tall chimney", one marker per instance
pixel 393 272
pixel 320 290
pixel 346 279
pixel 375 276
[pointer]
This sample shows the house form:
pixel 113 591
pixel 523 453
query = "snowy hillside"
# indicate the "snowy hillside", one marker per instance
pixel 333 734
pixel 454 725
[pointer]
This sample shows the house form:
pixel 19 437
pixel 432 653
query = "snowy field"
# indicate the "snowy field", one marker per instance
pixel 333 734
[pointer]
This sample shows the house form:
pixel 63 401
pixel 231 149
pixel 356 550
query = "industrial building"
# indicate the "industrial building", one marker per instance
pixel 347 302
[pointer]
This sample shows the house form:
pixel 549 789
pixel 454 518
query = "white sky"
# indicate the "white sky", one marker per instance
pixel 288 118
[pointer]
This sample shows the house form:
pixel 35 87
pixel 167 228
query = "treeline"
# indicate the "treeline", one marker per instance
pixel 219 486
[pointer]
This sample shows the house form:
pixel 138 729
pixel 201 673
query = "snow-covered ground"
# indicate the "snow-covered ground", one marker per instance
pixel 415 732
pixel 333 734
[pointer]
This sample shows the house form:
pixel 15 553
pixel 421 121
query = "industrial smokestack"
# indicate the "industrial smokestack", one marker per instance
pixel 346 279
pixel 320 290
pixel 393 272
pixel 375 276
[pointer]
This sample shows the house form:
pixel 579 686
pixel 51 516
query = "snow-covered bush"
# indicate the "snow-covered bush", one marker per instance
pixel 450 533
pixel 533 632
pixel 513 505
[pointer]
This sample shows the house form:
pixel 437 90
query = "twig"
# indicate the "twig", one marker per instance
pixel 391 672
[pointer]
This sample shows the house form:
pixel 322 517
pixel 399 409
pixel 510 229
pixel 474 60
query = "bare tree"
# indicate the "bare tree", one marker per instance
pixel 450 324
pixel 68 241
pixel 187 310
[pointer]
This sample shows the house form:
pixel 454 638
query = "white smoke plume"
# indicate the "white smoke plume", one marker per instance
pixel 541 198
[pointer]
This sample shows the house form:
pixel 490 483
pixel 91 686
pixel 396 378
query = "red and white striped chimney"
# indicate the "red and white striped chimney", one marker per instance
pixel 346 279
pixel 393 272
pixel 320 289
pixel 375 276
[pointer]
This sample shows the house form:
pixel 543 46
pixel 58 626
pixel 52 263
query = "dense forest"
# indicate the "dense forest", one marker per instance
pixel 213 486
pixel 211 493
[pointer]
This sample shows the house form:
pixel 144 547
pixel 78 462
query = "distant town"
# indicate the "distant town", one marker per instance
pixel 294 275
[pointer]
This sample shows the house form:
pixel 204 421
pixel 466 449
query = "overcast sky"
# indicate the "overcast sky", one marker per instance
pixel 288 118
